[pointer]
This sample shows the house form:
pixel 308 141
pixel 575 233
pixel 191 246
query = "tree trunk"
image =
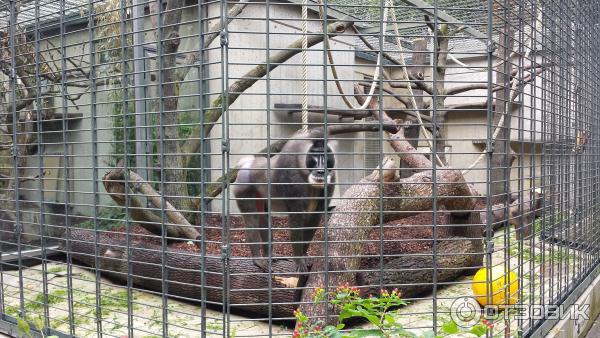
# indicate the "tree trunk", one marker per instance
pixel 177 225
pixel 412 132
pixel 348 231
pixel 175 189
pixel 248 284
pixel 439 90
pixel 503 155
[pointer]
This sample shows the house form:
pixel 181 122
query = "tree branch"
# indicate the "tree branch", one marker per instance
pixel 397 140
pixel 216 29
pixel 211 116
pixel 137 183
pixel 213 190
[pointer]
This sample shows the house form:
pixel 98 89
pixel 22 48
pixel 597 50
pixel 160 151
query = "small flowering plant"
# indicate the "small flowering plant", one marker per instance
pixel 377 310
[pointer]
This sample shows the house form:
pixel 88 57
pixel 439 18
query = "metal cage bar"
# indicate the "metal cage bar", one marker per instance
pixel 277 168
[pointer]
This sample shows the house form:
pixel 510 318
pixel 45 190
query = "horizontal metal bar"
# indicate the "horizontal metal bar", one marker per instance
pixel 31 253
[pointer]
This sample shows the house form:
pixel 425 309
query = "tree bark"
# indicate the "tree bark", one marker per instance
pixel 347 229
pixel 503 155
pixel 175 187
pixel 178 227
pixel 443 39
pixel 412 132
pixel 249 285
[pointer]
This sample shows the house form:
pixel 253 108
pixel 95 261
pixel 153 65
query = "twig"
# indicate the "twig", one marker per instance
pixel 213 190
pixel 216 28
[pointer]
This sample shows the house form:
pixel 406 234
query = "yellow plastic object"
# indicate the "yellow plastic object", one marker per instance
pixel 504 287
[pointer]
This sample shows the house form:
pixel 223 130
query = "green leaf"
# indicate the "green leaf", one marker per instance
pixel 373 319
pixel 349 313
pixel 479 330
pixel 331 332
pixel 401 332
pixel 38 323
pixel 450 327
pixel 389 319
pixel 366 333
pixel 428 334
pixel 23 326
pixel 340 326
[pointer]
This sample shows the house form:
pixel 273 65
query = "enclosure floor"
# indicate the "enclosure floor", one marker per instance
pixel 184 319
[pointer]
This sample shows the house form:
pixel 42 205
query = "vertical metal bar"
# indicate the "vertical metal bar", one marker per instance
pixel 489 136
pixel 124 51
pixel 521 225
pixel 380 155
pixel 544 160
pixel 15 145
pixel 535 138
pixel 203 88
pixel 161 147
pixel 66 167
pixel 226 219
pixel 325 138
pixel 269 186
pixel 326 243
pixel 40 158
pixel 434 130
pixel 142 145
pixel 95 179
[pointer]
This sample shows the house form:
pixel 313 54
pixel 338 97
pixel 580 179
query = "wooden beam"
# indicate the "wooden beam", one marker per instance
pixel 296 108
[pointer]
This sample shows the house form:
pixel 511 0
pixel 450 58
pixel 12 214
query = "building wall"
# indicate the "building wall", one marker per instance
pixel 467 127
pixel 252 121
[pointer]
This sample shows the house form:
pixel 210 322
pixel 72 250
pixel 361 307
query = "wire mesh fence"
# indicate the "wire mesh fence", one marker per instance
pixel 297 168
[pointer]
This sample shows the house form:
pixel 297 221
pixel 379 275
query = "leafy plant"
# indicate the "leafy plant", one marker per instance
pixel 25 329
pixel 378 310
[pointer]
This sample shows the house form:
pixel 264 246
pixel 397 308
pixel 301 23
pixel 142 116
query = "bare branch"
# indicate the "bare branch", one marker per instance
pixel 22 179
pixel 465 88
pixel 397 140
pixel 387 91
pixel 216 29
pixel 73 63
pixel 213 190
pixel 211 116
pixel 296 108
pixel 457 30
pixel 137 183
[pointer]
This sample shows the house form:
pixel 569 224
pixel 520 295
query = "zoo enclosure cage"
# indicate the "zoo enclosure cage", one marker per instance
pixel 123 123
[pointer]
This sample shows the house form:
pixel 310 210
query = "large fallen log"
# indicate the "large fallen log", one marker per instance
pixel 359 209
pixel 348 230
pixel 248 286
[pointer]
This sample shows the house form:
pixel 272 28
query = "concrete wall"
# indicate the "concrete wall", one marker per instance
pixel 466 125
pixel 252 123
pixel 76 140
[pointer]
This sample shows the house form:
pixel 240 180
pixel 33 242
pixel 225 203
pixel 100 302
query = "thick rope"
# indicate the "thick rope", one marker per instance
pixel 305 66
pixel 428 136
pixel 376 73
